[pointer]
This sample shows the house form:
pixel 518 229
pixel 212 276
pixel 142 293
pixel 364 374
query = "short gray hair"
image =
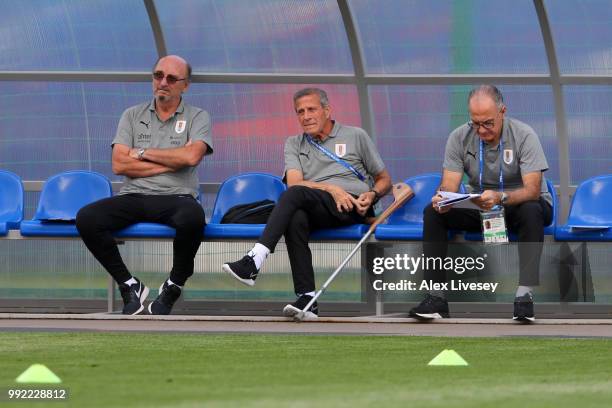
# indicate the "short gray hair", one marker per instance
pixel 489 90
pixel 312 91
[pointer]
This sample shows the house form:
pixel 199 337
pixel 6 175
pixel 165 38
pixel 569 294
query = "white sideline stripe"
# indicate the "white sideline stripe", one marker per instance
pixel 361 319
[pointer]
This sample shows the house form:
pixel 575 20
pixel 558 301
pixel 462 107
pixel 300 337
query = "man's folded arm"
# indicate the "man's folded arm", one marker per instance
pixel 176 158
pixel 124 165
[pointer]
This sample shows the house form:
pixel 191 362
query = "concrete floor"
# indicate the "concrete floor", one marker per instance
pixel 395 326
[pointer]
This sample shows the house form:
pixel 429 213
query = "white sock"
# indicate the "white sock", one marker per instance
pixel 259 253
pixel 311 294
pixel 131 281
pixel 522 290
pixel 172 283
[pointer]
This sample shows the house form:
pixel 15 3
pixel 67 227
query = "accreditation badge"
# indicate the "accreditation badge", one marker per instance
pixel 494 226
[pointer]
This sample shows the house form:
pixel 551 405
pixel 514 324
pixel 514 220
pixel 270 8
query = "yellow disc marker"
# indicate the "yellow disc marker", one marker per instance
pixel 448 358
pixel 38 373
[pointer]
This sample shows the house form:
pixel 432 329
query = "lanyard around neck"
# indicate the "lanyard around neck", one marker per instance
pixel 334 157
pixel 500 147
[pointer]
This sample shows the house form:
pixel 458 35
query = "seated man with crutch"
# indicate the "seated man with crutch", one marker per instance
pixel 328 170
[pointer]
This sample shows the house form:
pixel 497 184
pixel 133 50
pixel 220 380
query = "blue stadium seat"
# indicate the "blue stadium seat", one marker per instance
pixel 242 189
pixel 406 223
pixel 11 201
pixel 62 196
pixel 148 230
pixel 548 229
pixel 352 232
pixel 590 215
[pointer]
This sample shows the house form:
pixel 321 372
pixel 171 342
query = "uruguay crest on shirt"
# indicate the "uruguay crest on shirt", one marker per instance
pixel 508 156
pixel 180 126
pixel 340 149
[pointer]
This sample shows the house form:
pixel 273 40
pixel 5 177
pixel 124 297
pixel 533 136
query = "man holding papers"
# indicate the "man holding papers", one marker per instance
pixel 504 161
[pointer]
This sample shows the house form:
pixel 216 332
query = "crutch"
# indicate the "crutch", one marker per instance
pixel 401 193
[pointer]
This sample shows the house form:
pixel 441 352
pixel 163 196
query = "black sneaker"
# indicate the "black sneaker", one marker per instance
pixel 523 308
pixel 168 294
pixel 133 297
pixel 296 307
pixel 243 270
pixel 432 307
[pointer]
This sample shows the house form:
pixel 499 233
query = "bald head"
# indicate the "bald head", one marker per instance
pixel 170 80
pixel 175 59
pixel 487 91
pixel 487 110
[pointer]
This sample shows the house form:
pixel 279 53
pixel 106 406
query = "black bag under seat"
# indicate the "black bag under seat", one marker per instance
pixel 250 213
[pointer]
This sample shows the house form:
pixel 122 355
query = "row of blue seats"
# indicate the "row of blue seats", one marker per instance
pixel 64 194
pixel 590 218
pixel 407 223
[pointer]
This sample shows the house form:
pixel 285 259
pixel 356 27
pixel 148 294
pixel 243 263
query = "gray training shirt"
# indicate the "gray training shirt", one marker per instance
pixel 522 153
pixel 139 127
pixel 351 144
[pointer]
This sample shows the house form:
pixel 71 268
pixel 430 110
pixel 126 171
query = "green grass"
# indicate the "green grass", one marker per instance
pixel 192 370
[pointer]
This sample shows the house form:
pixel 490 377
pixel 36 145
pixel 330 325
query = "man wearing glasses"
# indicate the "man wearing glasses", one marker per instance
pixel 157 147
pixel 503 160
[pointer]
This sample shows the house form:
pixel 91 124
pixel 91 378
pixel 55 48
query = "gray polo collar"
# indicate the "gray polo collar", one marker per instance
pixel 335 129
pixel 333 133
pixel 179 110
pixel 505 132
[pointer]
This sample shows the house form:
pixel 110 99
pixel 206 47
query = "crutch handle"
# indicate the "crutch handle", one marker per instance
pixel 401 193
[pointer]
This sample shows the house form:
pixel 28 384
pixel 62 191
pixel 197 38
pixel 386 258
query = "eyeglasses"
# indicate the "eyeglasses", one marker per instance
pixel 489 124
pixel 170 79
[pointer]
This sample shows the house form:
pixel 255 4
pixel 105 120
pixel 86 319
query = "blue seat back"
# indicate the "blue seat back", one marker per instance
pixel 591 202
pixel 64 194
pixel 424 187
pixel 11 199
pixel 246 188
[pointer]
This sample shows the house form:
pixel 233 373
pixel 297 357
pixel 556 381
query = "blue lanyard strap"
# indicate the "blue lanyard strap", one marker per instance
pixel 334 157
pixel 501 170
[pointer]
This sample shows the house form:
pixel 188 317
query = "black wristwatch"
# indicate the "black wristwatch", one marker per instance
pixel 504 198
pixel 376 196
